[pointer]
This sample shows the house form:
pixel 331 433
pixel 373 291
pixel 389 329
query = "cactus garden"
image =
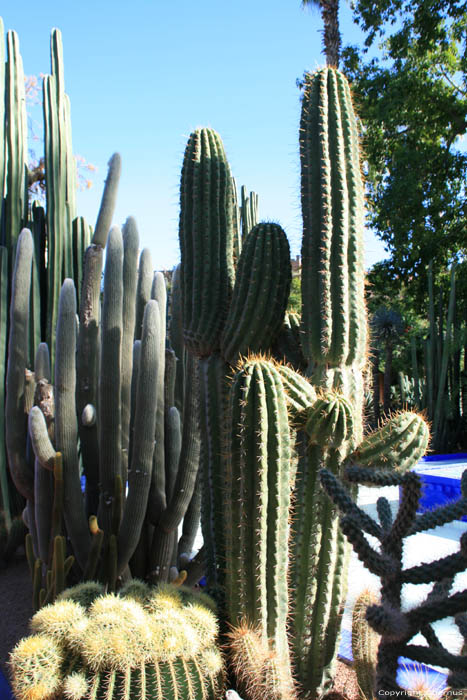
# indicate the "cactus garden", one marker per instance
pixel 182 452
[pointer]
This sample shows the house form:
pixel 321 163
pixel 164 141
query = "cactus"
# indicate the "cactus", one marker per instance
pixel 57 230
pixel 396 626
pixel 364 644
pixel 334 345
pixel 206 241
pixel 325 409
pixel 257 502
pixel 260 671
pixel 159 647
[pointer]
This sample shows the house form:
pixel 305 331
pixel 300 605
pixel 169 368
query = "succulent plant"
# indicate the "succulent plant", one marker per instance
pixel 117 646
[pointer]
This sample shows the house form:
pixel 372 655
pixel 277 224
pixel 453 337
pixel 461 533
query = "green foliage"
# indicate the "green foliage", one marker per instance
pixel 416 164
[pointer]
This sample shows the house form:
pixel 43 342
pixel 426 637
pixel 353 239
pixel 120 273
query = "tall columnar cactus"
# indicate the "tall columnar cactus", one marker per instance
pixel 364 644
pixel 257 502
pixel 396 626
pixel 147 644
pixel 334 344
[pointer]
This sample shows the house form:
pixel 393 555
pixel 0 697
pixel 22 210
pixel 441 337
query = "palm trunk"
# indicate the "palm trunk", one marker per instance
pixel 331 34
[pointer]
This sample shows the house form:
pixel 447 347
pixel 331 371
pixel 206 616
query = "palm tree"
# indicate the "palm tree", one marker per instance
pixel 331 35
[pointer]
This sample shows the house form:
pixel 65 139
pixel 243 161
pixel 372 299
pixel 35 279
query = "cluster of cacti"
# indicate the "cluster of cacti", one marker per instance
pixel 440 385
pixel 121 410
pixel 147 643
pixel 266 430
pixel 388 618
pixel 59 237
pixel 116 395
pixel 226 313
pixel 434 363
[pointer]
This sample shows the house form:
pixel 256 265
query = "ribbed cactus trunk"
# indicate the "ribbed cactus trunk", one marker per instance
pixel 207 277
pixel 257 497
pixel 334 344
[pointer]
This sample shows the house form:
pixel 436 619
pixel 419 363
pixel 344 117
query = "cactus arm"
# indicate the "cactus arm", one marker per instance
pixel 176 336
pixel 441 516
pixel 257 500
pixel 187 467
pixel 17 358
pixel 258 302
pixel 173 449
pixel 191 524
pixel 398 444
pixel 158 496
pixel 435 571
pixel 16 204
pixel 108 202
pixel 206 240
pixel 41 444
pixel 213 403
pixel 143 288
pixel 43 504
pixel 110 379
pixel 139 476
pixel 87 369
pixel 42 363
pixel 346 505
pixel 4 281
pixel 66 424
pixel 130 263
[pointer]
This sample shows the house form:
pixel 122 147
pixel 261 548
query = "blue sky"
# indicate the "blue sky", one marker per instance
pixel 142 75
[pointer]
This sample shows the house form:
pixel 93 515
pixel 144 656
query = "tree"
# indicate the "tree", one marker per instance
pixel 412 99
pixel 331 35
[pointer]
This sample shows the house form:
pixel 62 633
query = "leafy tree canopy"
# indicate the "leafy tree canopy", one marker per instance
pixel 412 99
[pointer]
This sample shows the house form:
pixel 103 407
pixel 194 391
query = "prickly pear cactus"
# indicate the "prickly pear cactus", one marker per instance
pixel 149 644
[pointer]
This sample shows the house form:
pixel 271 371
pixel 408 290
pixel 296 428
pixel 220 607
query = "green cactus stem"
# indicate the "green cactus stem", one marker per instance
pixel 206 241
pixel 258 301
pixel 364 644
pixel 256 503
pixel 139 475
pixel 66 424
pixel 17 360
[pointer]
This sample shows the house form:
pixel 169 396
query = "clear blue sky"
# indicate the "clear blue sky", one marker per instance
pixel 142 75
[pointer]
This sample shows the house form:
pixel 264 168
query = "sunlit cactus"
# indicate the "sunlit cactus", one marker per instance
pixel 152 652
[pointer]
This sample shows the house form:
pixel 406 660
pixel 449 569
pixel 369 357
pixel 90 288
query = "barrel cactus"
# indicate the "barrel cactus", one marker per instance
pixel 159 644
